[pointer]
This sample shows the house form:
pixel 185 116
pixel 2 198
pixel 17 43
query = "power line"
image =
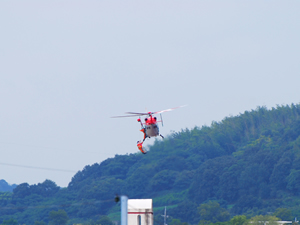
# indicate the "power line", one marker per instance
pixel 39 168
pixel 55 205
pixel 38 147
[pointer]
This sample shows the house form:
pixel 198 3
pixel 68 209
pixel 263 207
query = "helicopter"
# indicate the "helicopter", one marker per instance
pixel 150 125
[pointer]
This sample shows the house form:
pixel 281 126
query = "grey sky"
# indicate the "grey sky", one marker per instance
pixel 66 67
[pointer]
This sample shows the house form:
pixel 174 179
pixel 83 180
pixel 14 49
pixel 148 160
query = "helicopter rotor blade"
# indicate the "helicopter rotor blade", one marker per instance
pixel 167 110
pixel 133 114
pixel 124 116
pixel 136 113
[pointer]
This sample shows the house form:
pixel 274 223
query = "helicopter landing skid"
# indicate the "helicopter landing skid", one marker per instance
pixel 140 147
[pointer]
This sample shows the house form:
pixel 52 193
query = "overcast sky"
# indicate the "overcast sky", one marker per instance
pixel 66 67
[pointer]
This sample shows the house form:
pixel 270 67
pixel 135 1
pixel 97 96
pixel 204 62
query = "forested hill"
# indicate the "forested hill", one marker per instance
pixel 249 164
pixel 4 186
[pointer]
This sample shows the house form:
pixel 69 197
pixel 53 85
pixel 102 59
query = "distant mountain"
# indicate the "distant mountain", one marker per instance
pixel 249 164
pixel 5 187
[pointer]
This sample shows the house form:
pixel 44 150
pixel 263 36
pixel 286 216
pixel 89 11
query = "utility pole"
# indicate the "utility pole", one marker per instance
pixel 124 209
pixel 165 216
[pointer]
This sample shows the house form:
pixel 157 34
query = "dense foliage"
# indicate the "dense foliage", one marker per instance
pixel 247 164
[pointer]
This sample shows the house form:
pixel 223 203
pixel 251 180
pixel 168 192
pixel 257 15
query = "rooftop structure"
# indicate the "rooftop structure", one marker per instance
pixel 140 212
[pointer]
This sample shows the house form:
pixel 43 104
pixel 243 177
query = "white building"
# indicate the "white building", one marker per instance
pixel 279 222
pixel 140 212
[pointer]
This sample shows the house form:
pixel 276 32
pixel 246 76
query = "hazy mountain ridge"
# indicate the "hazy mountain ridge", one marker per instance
pixel 248 163
pixel 5 187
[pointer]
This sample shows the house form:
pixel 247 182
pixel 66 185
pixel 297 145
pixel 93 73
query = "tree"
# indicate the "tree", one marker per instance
pixel 59 217
pixel 163 180
pixel 21 191
pixel 104 220
pixel 262 220
pixel 39 223
pixel 186 211
pixel 47 188
pixel 177 222
pixel 10 222
pixel 281 171
pixel 212 212
pixel 293 181
pixel 238 220
pixel 283 214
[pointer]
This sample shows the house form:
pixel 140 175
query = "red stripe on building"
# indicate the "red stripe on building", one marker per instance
pixel 140 212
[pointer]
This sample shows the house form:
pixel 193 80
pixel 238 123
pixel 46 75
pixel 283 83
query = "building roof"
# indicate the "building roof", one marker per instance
pixel 139 204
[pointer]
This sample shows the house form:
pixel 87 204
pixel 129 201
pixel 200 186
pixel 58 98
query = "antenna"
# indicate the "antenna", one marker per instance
pixel 165 216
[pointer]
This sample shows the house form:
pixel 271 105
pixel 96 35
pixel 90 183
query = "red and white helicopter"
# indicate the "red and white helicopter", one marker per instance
pixel 149 127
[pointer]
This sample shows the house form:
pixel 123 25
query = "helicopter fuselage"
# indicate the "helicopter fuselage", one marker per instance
pixel 151 130
pixel 151 127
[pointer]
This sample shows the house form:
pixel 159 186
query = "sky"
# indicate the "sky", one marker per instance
pixel 67 66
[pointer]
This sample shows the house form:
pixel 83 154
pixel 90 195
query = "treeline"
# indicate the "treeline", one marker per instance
pixel 249 164
pixel 211 213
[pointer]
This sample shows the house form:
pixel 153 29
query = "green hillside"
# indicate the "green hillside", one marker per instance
pixel 248 164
